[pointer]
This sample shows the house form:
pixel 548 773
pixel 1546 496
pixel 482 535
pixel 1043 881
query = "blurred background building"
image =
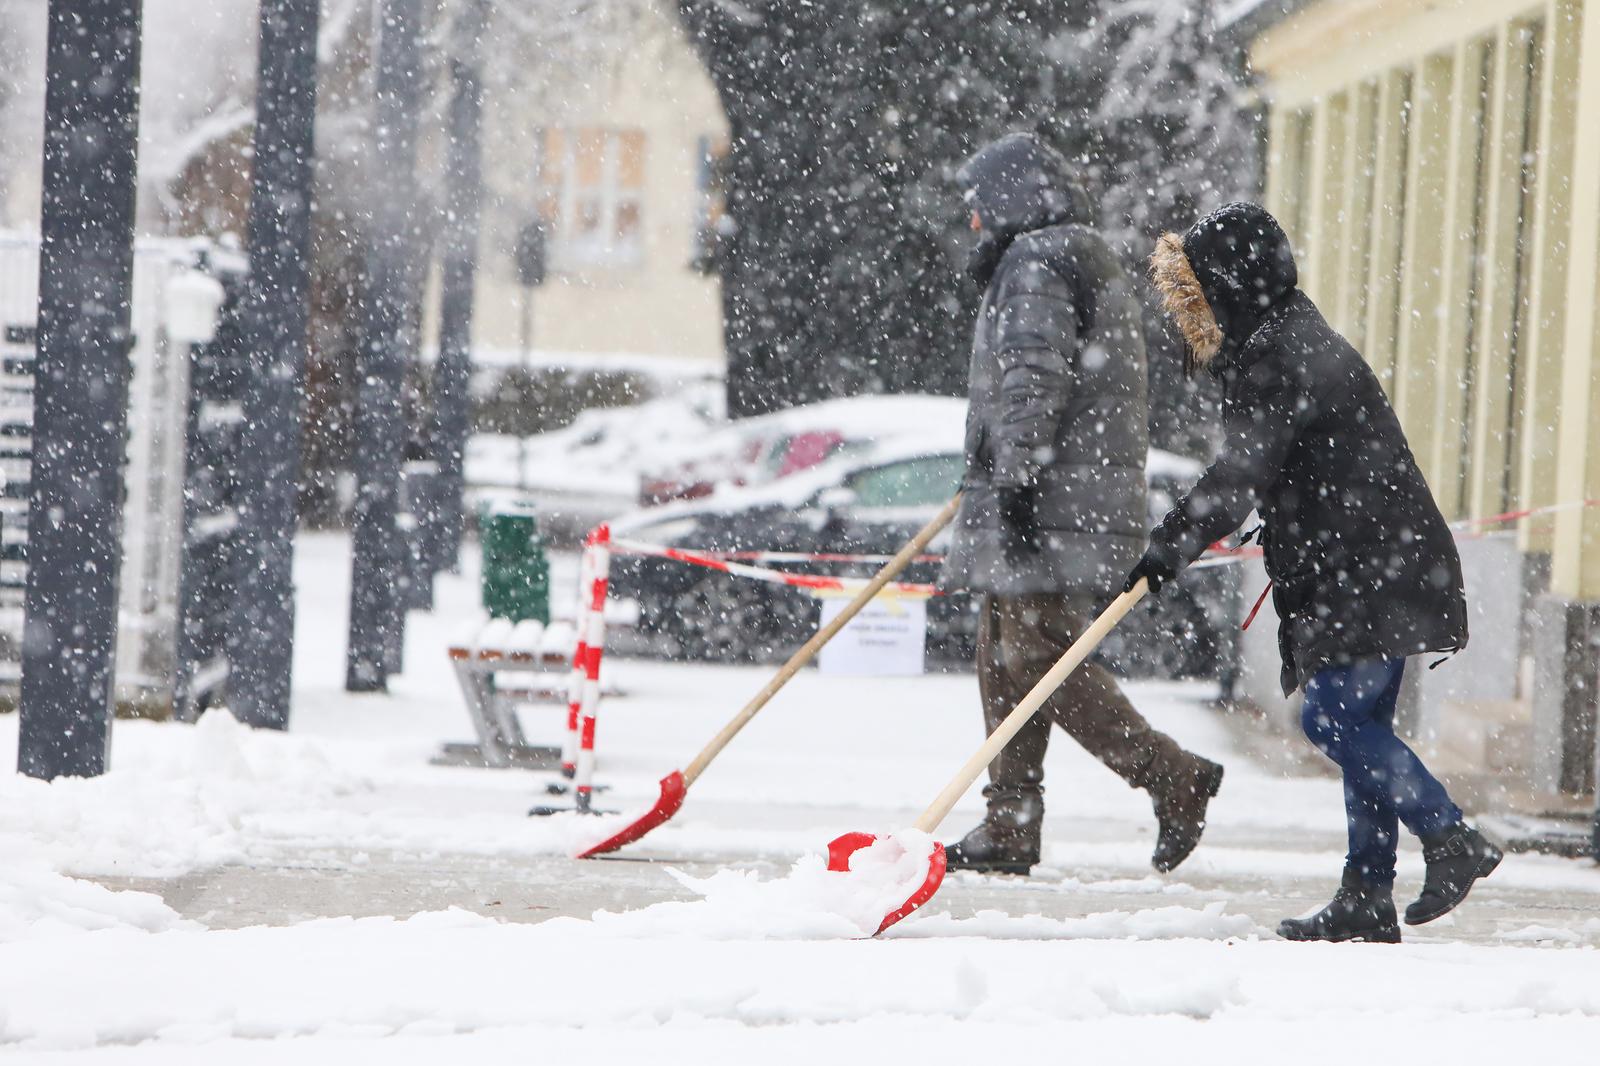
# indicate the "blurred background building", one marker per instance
pixel 623 181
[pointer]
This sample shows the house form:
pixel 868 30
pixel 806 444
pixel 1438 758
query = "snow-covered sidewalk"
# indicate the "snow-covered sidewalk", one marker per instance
pixel 329 893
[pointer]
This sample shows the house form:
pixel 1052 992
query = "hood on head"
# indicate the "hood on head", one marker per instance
pixel 1018 184
pixel 1221 277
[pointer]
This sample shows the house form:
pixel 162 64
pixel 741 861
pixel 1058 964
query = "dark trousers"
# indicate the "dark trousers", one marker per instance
pixel 1019 639
pixel 1349 715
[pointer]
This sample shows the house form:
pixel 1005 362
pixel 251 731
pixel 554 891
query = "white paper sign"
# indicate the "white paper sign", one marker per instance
pixel 887 639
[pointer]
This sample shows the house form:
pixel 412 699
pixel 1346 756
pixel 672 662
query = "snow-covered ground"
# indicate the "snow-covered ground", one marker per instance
pixel 328 895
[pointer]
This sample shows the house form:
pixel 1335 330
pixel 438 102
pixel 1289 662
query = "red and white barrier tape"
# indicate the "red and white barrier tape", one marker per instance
pixel 1220 555
pixel 816 583
pixel 737 562
pixel 1517 516
pixel 1472 527
pixel 813 557
pixel 594 639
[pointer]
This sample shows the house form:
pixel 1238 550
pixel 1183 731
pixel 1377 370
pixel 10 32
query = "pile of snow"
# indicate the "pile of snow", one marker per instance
pixel 185 803
pixel 37 902
pixel 181 804
pixel 811 902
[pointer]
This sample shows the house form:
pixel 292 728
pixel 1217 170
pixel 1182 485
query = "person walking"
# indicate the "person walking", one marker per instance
pixel 1053 510
pixel 1364 569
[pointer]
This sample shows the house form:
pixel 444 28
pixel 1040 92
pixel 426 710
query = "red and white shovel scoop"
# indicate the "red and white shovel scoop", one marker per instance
pixel 675 786
pixel 881 857
pixel 869 857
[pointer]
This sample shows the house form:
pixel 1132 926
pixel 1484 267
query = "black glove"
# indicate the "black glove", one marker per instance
pixel 1156 567
pixel 1019 525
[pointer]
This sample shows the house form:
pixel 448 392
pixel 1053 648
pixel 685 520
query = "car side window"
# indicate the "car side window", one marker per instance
pixel 911 483
pixel 772 458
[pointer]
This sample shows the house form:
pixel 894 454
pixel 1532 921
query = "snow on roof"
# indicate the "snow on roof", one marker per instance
pixel 659 367
pixel 868 417
pixel 1250 17
pixel 798 489
pixel 1230 11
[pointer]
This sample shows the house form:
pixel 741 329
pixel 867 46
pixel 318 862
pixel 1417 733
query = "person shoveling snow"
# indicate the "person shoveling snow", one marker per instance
pixel 1053 510
pixel 1364 569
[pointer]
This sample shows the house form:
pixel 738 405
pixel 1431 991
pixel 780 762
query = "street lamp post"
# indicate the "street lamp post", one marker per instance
pixel 378 564
pixel 530 275
pixel 80 393
pixel 464 164
pixel 276 310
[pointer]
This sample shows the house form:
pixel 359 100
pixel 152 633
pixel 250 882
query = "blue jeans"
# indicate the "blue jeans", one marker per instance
pixel 1349 715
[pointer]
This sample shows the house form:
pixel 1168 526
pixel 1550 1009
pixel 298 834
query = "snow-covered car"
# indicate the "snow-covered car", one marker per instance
pixel 871 503
pixel 756 451
pixel 582 474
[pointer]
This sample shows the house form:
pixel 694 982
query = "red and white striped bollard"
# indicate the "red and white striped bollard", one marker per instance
pixel 580 658
pixel 595 644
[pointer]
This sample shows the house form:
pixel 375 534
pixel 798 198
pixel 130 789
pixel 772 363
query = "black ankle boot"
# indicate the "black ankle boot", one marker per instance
pixel 1361 910
pixel 1180 803
pixel 1456 858
pixel 1007 840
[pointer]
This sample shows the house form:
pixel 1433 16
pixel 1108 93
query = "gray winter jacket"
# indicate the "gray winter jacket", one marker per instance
pixel 1057 387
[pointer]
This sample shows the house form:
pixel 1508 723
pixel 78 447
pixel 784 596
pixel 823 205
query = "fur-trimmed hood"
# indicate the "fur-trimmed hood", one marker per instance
pixel 1220 278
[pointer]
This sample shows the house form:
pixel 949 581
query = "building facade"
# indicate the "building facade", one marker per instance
pixel 1436 164
pixel 620 172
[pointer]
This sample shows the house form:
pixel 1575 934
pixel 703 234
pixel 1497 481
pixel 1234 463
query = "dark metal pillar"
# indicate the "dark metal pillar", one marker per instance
pixel 276 309
pixel 378 566
pixel 463 163
pixel 80 394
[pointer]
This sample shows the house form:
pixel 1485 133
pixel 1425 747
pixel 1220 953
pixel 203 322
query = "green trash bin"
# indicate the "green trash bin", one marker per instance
pixel 516 569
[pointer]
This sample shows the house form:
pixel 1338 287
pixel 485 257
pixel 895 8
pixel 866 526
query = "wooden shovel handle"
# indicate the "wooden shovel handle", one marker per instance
pixel 915 547
pixel 1081 649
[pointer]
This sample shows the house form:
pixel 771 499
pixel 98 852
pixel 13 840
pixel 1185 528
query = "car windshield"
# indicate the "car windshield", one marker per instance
pixel 912 483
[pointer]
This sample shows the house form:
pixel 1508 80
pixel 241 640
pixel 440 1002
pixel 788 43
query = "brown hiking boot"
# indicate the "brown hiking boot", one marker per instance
pixel 1007 840
pixel 1180 799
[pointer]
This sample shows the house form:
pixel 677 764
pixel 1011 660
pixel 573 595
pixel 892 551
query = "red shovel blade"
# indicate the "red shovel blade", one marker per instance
pixel 672 792
pixel 840 851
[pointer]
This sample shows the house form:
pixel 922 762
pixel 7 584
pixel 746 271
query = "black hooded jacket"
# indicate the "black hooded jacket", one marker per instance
pixel 1362 562
pixel 1057 385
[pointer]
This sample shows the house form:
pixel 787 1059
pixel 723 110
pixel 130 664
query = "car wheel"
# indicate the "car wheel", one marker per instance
pixel 727 619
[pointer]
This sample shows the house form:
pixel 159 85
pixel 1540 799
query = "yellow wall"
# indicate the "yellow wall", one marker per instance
pixel 1425 157
pixel 657 305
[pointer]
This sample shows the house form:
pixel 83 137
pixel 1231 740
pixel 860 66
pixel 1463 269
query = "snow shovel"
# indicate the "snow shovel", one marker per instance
pixel 676 784
pixel 841 850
